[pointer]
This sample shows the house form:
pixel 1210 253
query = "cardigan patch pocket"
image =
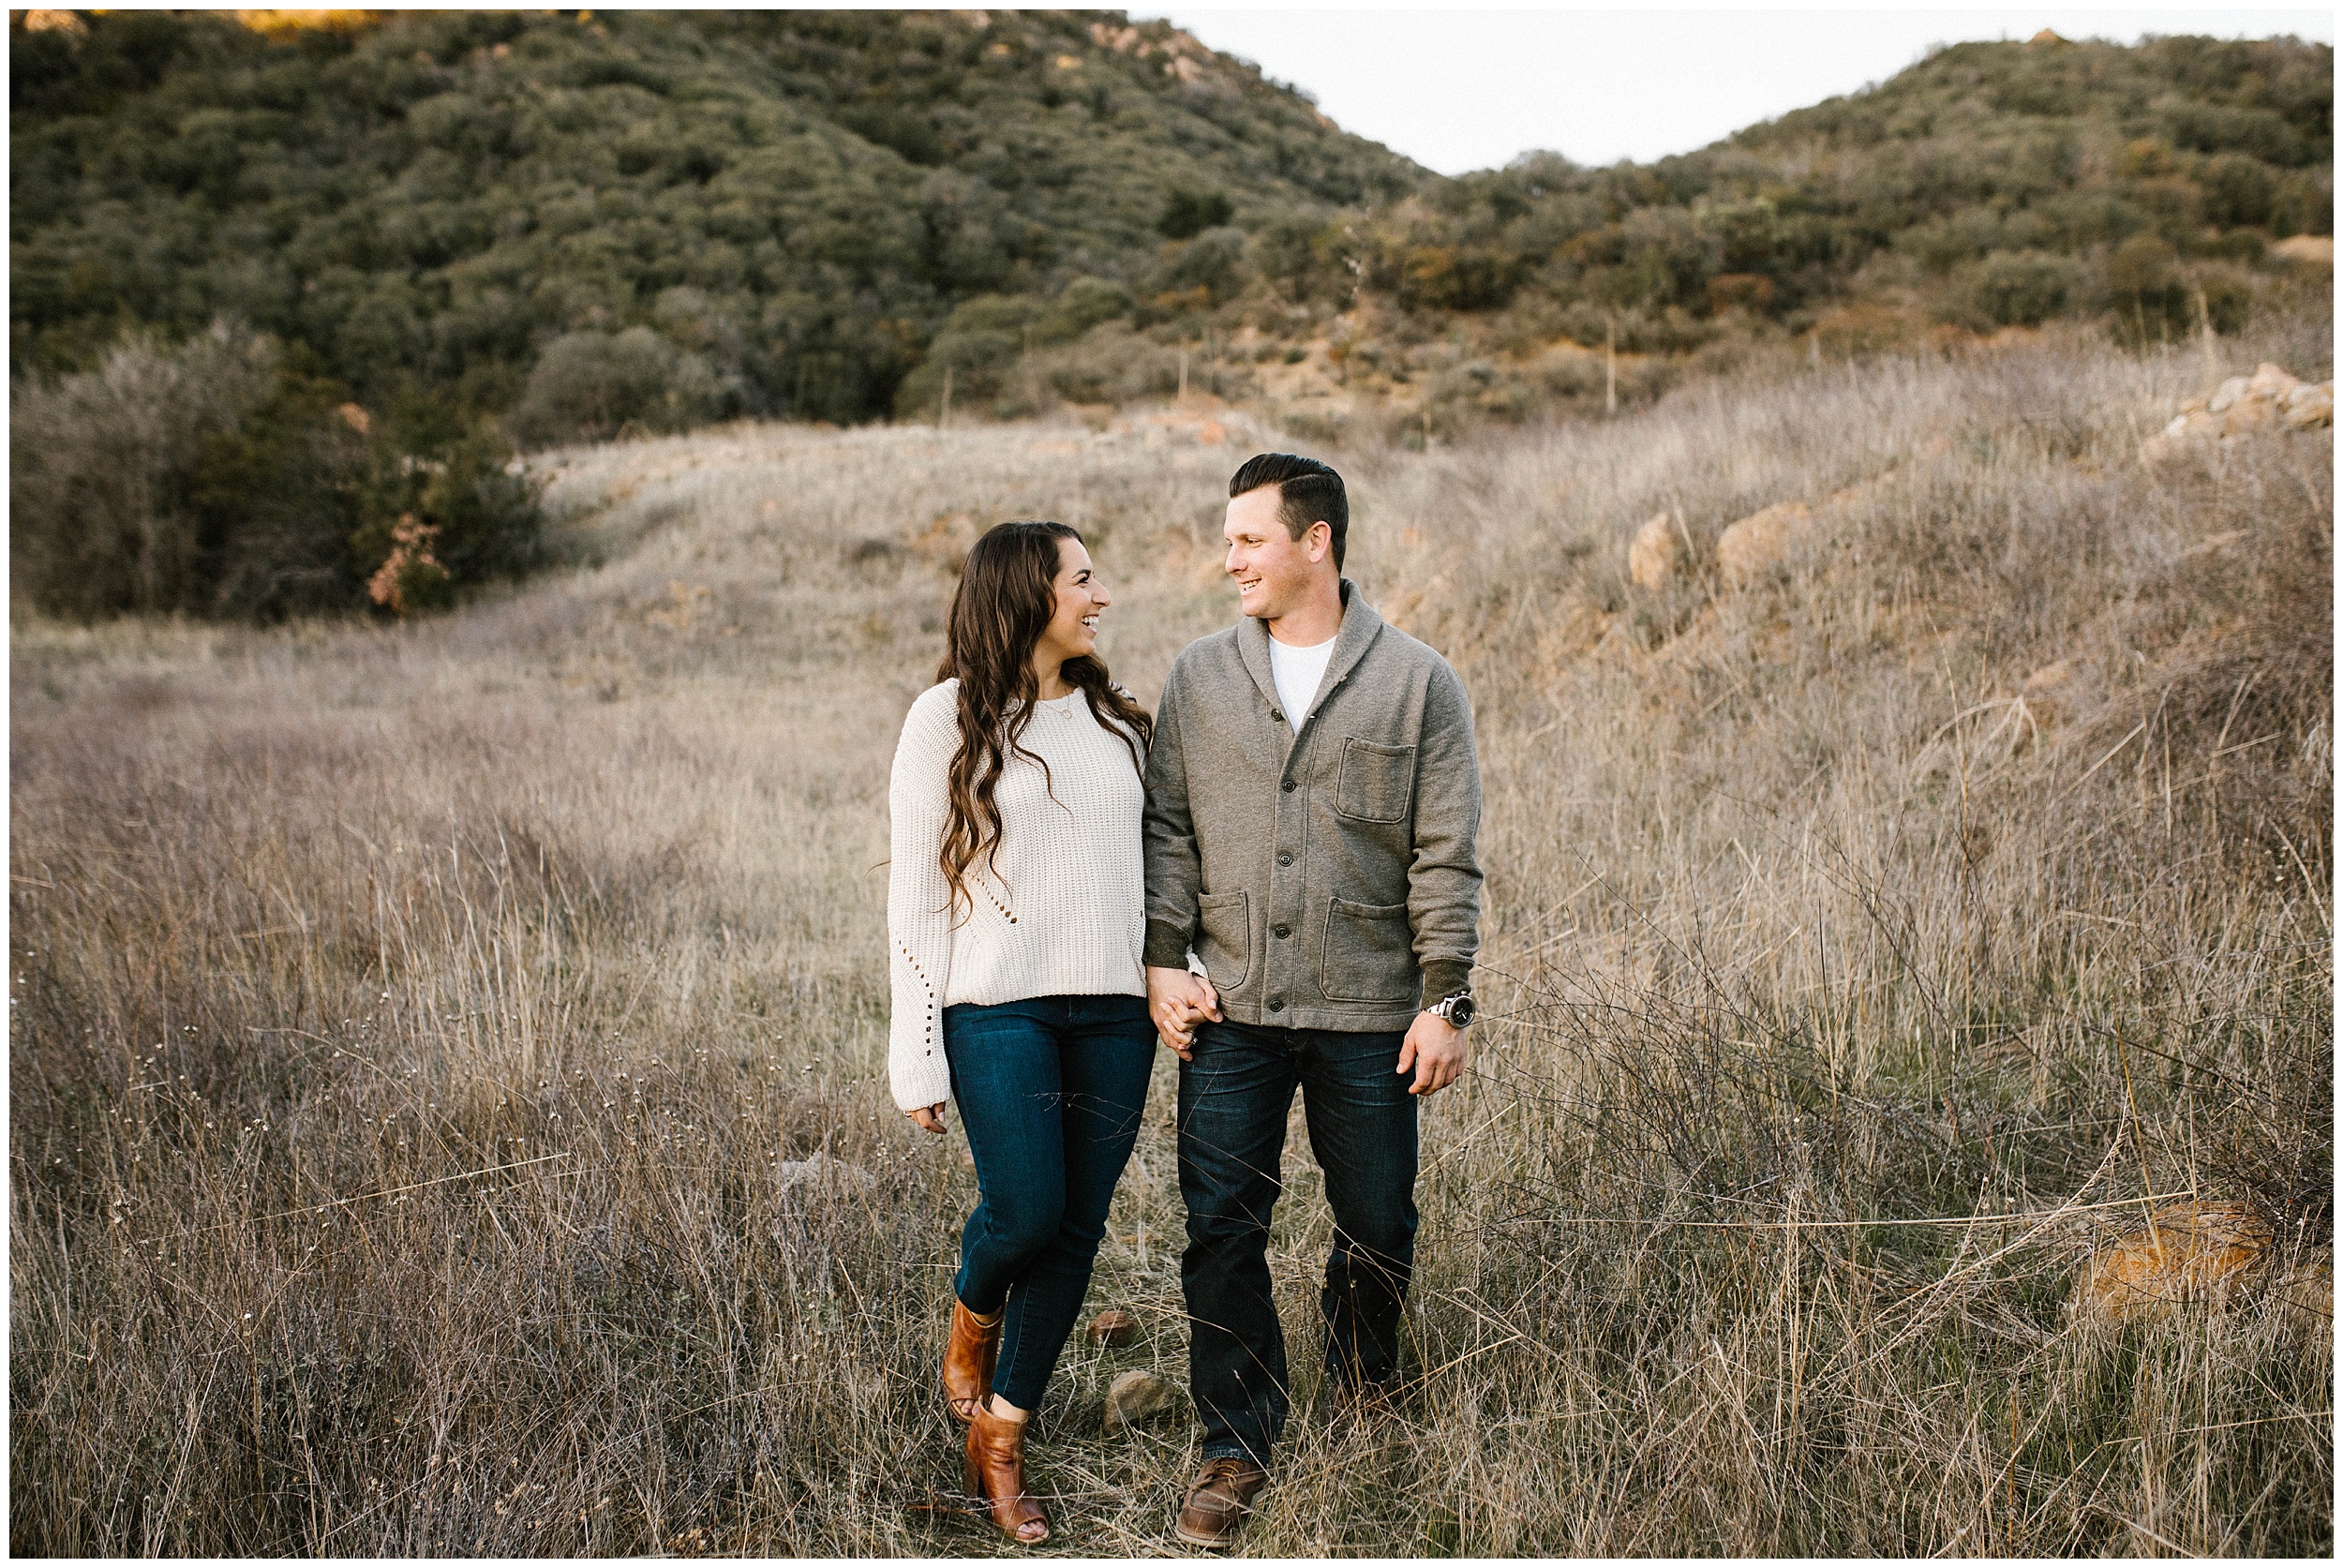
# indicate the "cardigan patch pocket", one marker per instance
pixel 1224 939
pixel 1369 953
pixel 1376 782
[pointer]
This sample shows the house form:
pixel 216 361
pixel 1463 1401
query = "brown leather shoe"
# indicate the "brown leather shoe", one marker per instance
pixel 1217 1500
pixel 996 1473
pixel 968 1362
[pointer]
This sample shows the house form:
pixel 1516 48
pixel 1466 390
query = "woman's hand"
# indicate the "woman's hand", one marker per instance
pixel 928 1116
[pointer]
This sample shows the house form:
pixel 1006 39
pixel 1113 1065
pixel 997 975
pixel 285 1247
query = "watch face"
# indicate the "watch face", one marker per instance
pixel 1459 1011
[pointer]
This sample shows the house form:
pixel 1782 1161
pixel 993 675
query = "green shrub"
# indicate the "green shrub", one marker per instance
pixel 594 385
pixel 277 501
pixel 483 507
pixel 1108 365
pixel 1188 213
pixel 2145 286
pixel 1084 303
pixel 2305 204
pixel 2023 288
pixel 1301 257
pixel 1943 244
pixel 1454 277
pixel 2239 190
pixel 980 341
pixel 1208 270
pixel 899 128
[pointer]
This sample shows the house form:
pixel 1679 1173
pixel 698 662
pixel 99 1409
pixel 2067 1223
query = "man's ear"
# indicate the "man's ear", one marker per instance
pixel 1320 541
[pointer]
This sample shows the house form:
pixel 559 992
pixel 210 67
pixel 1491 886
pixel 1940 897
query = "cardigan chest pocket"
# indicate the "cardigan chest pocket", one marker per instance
pixel 1224 939
pixel 1376 782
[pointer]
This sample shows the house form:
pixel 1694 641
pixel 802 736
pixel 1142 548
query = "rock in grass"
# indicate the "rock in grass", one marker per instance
pixel 1113 1326
pixel 2309 406
pixel 2306 251
pixel 2185 1251
pixel 1764 539
pixel 1137 1398
pixel 1656 553
pixel 2269 399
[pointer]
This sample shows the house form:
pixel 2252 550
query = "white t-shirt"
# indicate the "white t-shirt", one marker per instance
pixel 1297 672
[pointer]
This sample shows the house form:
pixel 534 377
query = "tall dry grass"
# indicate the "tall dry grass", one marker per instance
pixel 447 1099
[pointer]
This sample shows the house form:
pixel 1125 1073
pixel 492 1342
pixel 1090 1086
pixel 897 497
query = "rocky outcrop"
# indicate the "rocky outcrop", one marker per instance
pixel 1769 538
pixel 2267 400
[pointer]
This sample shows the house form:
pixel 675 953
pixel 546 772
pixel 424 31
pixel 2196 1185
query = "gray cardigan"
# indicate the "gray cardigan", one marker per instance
pixel 1326 879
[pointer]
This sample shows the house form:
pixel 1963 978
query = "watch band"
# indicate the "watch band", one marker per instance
pixel 1446 1009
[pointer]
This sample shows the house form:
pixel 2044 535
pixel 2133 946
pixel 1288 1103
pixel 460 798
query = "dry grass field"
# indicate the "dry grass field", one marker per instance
pixel 447 1110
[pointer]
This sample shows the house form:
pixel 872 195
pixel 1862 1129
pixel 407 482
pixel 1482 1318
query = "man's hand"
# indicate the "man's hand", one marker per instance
pixel 928 1116
pixel 1435 1051
pixel 1177 998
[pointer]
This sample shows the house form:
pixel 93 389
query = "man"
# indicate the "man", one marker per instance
pixel 1312 798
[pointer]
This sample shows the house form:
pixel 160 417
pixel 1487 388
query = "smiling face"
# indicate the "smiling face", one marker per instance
pixel 1275 573
pixel 1080 599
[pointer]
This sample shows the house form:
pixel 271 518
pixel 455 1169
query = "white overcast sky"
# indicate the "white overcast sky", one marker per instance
pixel 1470 89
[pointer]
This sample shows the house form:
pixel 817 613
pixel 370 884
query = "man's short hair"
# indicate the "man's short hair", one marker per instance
pixel 1308 492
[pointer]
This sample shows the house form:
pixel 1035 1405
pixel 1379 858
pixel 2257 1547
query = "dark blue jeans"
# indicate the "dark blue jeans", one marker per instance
pixel 1050 1091
pixel 1234 1096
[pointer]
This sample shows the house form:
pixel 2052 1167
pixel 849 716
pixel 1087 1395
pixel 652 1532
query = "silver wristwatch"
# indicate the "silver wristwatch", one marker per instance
pixel 1456 1010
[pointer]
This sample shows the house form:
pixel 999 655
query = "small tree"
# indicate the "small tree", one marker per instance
pixel 102 470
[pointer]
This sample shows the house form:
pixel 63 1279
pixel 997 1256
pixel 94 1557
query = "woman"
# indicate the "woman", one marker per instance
pixel 1014 902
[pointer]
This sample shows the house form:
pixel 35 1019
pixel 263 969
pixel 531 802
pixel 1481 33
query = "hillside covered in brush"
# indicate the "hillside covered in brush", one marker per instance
pixel 430 238
pixel 795 200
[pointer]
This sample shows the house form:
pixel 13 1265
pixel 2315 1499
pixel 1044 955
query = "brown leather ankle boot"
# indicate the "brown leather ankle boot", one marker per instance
pixel 1217 1502
pixel 996 1473
pixel 968 1360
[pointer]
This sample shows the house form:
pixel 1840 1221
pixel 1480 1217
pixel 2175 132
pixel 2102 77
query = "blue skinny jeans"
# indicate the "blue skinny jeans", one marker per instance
pixel 1050 1090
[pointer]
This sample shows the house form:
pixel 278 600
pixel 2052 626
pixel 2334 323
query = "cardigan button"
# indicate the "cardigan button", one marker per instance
pixel 1285 857
pixel 1288 786
pixel 1276 1004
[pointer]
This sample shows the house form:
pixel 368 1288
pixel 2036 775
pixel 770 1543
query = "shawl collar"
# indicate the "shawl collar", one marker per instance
pixel 1361 626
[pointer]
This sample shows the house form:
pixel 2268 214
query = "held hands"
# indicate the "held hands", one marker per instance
pixel 1176 1000
pixel 1435 1050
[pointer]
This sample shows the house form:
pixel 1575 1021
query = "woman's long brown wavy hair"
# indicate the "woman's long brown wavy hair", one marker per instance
pixel 1007 593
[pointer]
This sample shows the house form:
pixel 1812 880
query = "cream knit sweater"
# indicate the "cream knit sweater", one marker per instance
pixel 1066 913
